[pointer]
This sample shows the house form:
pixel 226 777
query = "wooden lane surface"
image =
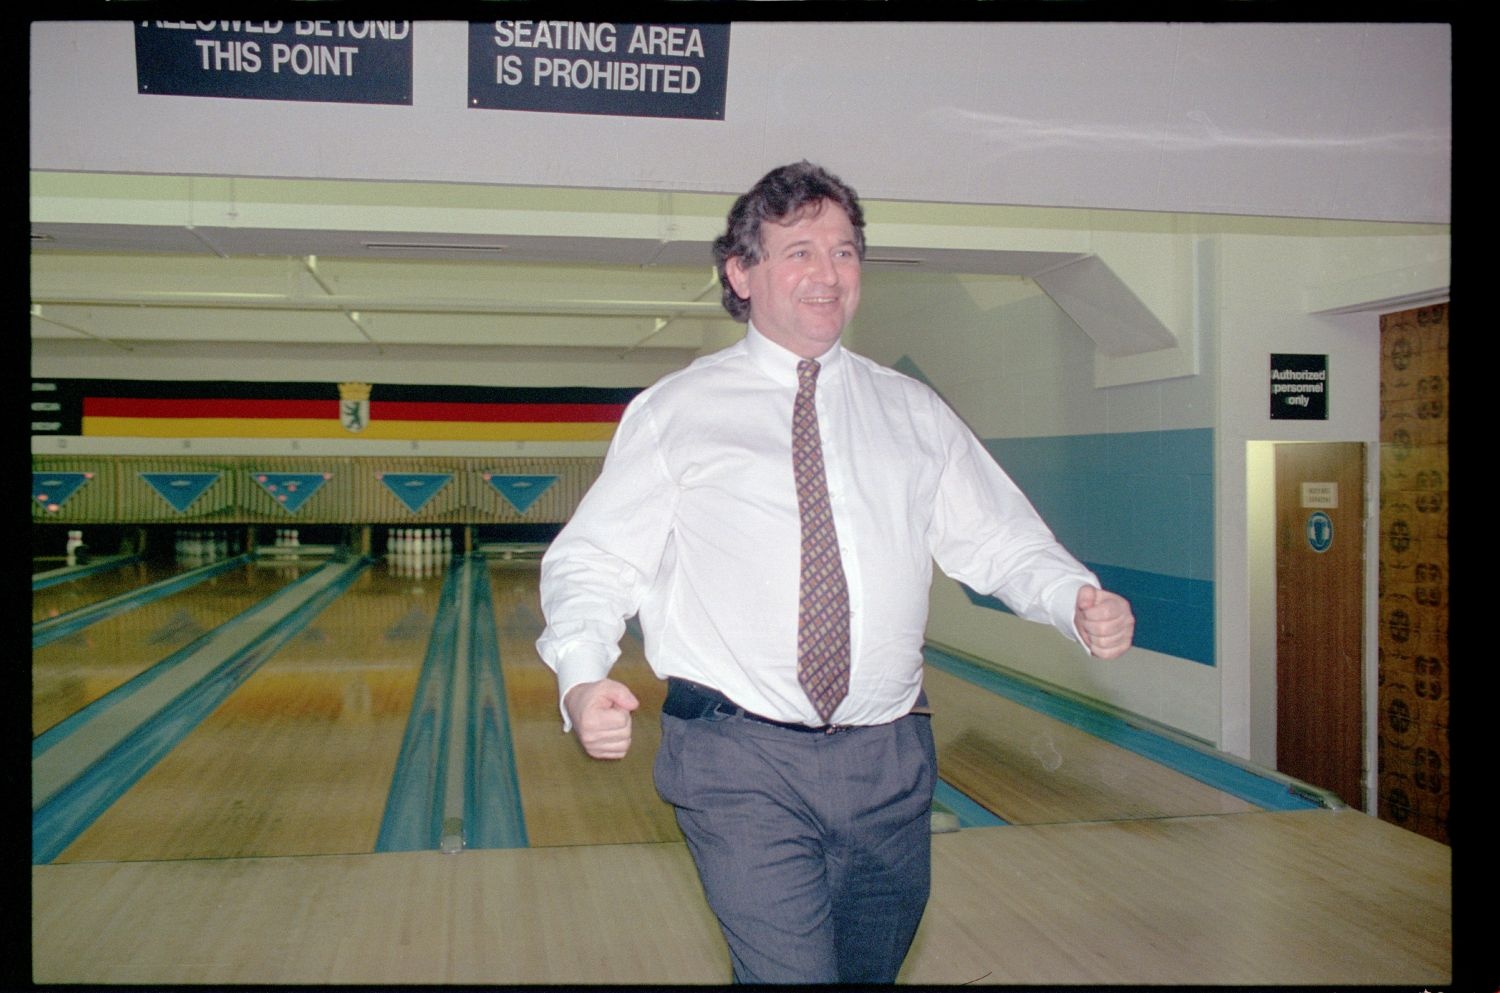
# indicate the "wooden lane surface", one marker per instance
pixel 581 915
pixel 569 798
pixel 61 598
pixel 298 760
pixel 1289 898
pixel 72 672
pixel 1314 897
pixel 1028 768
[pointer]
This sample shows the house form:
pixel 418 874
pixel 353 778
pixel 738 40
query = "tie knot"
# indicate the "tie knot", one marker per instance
pixel 807 373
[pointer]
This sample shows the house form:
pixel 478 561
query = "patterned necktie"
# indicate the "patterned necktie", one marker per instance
pixel 823 621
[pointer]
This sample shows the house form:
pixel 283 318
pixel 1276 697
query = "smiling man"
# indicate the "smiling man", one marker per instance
pixel 804 286
pixel 772 514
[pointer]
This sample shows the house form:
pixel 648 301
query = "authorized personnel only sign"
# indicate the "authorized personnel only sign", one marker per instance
pixel 611 68
pixel 330 61
pixel 1299 387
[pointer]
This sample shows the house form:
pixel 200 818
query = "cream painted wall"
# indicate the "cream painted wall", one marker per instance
pixel 996 347
pixel 1266 281
pixel 415 365
pixel 1260 554
pixel 1014 365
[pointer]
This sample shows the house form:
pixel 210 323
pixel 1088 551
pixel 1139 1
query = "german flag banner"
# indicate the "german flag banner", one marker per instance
pixel 369 411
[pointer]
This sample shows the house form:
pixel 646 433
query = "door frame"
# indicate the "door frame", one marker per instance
pixel 1260 524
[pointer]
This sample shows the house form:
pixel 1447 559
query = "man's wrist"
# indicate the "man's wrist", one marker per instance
pixel 578 667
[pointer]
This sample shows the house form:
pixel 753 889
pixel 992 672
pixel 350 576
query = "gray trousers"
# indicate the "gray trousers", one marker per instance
pixel 814 850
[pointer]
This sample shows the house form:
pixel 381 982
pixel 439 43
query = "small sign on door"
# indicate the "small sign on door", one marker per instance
pixel 1320 495
pixel 1319 532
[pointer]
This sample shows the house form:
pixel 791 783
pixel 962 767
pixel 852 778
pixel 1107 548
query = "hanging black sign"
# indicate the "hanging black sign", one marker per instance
pixel 586 67
pixel 1299 387
pixel 329 61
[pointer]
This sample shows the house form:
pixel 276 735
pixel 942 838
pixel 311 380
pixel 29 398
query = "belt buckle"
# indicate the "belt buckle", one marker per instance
pixel 836 728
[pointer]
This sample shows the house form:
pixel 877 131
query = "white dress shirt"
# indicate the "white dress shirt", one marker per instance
pixel 693 524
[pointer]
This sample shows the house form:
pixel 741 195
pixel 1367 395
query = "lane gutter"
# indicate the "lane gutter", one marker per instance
pixel 84 764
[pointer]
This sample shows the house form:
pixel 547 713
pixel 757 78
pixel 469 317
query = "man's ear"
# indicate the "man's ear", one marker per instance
pixel 739 279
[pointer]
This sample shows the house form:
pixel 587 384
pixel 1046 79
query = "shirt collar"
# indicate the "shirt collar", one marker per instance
pixel 781 363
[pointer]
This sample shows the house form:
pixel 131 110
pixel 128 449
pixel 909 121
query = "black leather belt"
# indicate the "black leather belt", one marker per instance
pixel 690 701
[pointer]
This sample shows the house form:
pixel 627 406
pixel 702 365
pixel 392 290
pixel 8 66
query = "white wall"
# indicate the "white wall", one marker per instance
pixel 1260 630
pixel 1266 280
pixel 294 362
pixel 1014 365
pixel 1300 120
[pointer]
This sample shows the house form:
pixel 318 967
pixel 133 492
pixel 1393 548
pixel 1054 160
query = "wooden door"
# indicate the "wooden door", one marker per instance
pixel 1319 607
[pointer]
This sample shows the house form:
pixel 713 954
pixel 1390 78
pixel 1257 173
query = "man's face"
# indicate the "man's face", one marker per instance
pixel 805 288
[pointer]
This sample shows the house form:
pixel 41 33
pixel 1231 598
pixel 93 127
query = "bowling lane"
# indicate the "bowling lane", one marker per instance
pixel 569 798
pixel 1029 768
pixel 72 672
pixel 1024 766
pixel 86 590
pixel 298 760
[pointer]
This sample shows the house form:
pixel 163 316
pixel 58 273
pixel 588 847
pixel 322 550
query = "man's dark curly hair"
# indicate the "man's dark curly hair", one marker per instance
pixel 780 196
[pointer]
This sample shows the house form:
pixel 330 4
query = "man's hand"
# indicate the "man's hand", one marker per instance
pixel 1105 622
pixel 600 712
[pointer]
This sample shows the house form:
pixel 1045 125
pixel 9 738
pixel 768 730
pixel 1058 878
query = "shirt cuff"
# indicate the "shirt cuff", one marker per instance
pixel 577 666
pixel 1067 610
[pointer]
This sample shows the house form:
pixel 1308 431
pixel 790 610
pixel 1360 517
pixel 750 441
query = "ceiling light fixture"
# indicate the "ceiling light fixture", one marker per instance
pixel 420 246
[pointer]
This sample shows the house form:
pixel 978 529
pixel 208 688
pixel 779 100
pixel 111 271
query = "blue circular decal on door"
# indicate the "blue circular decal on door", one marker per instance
pixel 1319 532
